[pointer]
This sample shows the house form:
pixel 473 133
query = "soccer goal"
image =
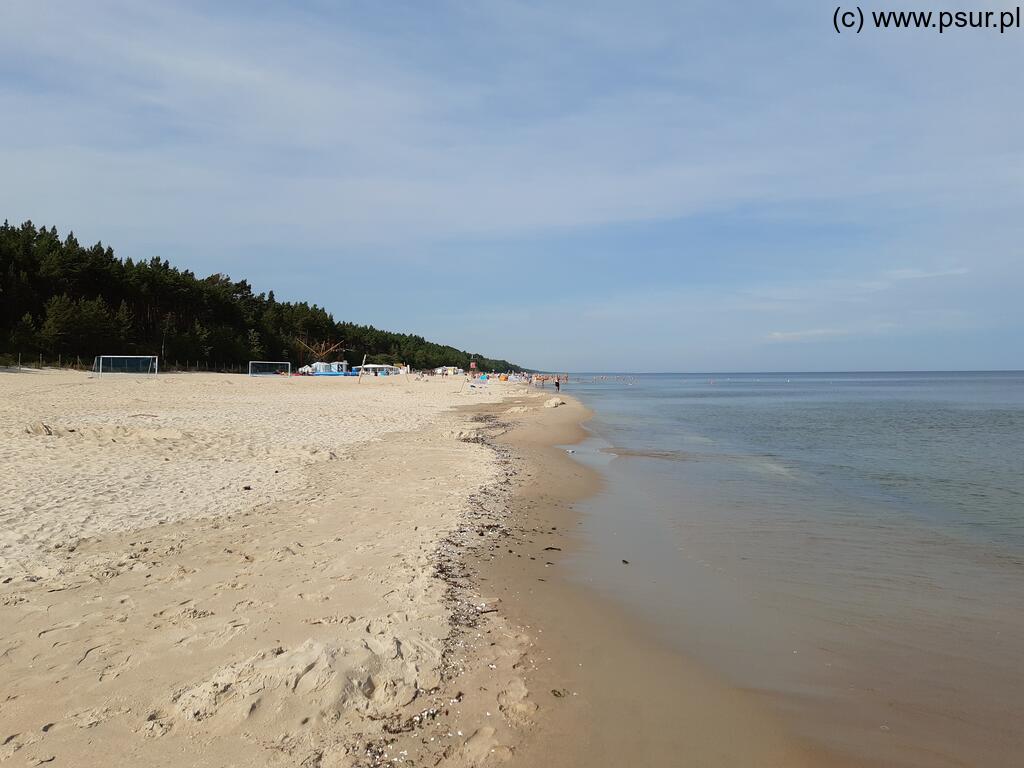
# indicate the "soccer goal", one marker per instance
pixel 269 368
pixel 146 364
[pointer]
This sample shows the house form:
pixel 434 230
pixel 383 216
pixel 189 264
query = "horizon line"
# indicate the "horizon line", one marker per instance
pixel 784 372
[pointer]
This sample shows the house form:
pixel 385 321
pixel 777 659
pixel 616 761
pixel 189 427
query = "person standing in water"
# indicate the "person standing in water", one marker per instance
pixel 558 384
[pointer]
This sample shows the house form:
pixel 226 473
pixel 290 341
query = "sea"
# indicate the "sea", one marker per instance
pixel 847 547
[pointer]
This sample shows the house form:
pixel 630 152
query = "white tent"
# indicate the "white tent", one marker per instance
pixel 381 370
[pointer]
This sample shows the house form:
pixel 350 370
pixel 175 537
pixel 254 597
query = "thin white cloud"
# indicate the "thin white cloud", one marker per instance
pixel 824 334
pixel 811 334
pixel 924 274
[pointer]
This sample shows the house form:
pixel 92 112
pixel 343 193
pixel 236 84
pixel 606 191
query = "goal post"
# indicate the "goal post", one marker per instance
pixel 269 368
pixel 144 364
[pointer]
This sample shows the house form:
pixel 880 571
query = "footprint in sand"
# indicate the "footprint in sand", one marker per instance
pixel 126 602
pixel 514 703
pixel 251 604
pixel 157 724
pixel 12 743
pixel 59 628
pixel 218 636
pixel 483 747
pixel 114 670
pixel 90 718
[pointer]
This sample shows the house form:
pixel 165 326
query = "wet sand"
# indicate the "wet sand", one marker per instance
pixel 608 691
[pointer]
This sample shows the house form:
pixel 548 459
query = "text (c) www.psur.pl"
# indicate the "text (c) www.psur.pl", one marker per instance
pixel 855 19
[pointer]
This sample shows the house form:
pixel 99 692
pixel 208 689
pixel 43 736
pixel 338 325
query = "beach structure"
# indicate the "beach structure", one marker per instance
pixel 372 369
pixel 269 368
pixel 144 364
pixel 448 370
pixel 325 369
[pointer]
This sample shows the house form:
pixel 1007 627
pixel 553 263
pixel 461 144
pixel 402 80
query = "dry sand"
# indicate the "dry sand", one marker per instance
pixel 156 612
pixel 89 456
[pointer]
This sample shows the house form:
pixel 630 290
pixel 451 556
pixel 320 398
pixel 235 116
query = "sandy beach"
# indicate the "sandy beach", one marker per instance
pixel 209 569
pixel 206 569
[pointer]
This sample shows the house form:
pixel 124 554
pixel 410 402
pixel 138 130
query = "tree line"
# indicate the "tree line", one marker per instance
pixel 59 298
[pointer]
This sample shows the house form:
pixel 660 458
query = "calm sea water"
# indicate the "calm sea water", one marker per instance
pixel 849 546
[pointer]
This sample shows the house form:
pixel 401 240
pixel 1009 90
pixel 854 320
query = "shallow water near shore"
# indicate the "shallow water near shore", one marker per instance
pixel 849 547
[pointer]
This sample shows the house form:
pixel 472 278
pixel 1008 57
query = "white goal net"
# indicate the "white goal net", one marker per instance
pixel 269 368
pixel 125 364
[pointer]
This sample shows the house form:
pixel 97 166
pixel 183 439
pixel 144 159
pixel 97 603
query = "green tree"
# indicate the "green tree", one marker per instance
pixel 256 350
pixel 124 323
pixel 25 336
pixel 59 328
pixel 199 339
pixel 97 330
pixel 69 290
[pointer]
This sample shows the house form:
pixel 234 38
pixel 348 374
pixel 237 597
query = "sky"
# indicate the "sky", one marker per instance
pixel 647 186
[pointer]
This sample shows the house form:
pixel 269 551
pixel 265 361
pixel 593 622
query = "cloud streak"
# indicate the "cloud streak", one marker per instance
pixel 811 334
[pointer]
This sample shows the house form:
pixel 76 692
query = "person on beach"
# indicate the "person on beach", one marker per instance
pixel 558 385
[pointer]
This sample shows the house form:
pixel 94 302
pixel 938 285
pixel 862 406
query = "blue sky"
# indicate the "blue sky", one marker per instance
pixel 582 186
